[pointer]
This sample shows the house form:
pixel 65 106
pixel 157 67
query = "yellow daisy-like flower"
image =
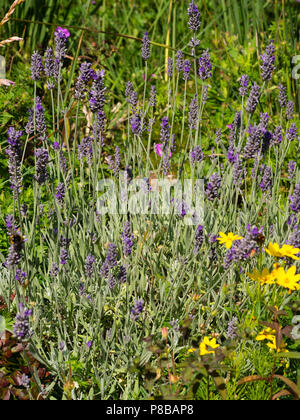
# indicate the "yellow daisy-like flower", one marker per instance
pixel 206 347
pixel 228 239
pixel 270 335
pixel 285 251
pixel 266 334
pixel 288 279
pixel 272 345
pixel 264 277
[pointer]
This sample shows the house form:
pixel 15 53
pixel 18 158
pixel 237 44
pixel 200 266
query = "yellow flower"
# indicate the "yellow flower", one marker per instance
pixel 272 345
pixel 266 334
pixel 208 344
pixel 288 279
pixel 228 239
pixel 270 335
pixel 206 347
pixel 285 251
pixel 264 277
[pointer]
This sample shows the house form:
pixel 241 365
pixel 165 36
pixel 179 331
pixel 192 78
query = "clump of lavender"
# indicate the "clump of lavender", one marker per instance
pixel 199 238
pixel 212 191
pixel 14 152
pixel 85 76
pixel 42 158
pixel 37 67
pixel 268 62
pixel 282 98
pixel 89 266
pixel 253 99
pixel 146 47
pixel 127 239
pixel 244 82
pixel 205 66
pixel 197 155
pixel 137 309
pixel 21 329
pixel 194 17
pixel 295 199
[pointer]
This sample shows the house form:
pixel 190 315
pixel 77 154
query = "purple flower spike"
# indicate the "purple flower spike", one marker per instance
pixel 205 67
pixel 127 239
pixel 137 309
pixel 244 82
pixel 194 15
pixel 268 62
pixel 253 98
pixel 37 67
pixel 146 47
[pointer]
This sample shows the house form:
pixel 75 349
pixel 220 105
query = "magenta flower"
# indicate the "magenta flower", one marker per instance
pixel 62 31
pixel 158 148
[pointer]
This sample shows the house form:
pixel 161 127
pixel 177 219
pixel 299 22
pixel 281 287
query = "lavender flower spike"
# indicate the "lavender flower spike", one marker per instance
pixel 36 66
pixel 253 98
pixel 42 158
pixel 137 309
pixel 127 239
pixel 205 67
pixel 14 153
pixel 194 15
pixel 268 60
pixel 244 82
pixel 146 47
pixel 22 329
